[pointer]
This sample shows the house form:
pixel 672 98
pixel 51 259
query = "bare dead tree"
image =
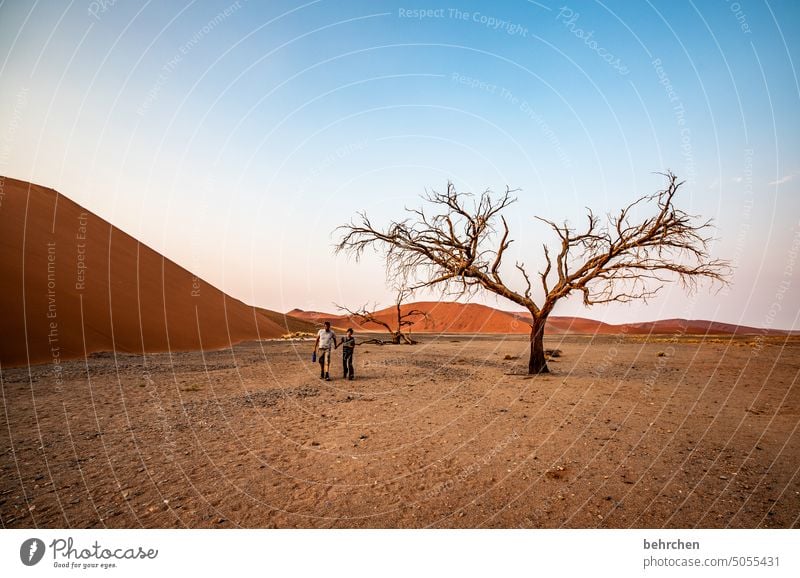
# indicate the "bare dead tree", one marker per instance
pixel 455 246
pixel 403 319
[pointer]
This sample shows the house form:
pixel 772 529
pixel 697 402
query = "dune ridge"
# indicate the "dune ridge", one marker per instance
pixel 73 284
pixel 453 317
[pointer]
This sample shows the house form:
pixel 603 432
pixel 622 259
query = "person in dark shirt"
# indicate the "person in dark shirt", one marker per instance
pixel 349 344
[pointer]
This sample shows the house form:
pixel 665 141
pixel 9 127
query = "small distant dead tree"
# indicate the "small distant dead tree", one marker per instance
pixel 454 246
pixel 403 318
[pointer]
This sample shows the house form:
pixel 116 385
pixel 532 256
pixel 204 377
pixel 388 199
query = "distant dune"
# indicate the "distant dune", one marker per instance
pixel 71 284
pixel 442 317
pixel 318 317
pixel 663 326
pixel 450 317
pixel 696 327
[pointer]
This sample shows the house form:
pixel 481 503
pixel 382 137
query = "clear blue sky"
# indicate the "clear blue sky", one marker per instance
pixel 234 137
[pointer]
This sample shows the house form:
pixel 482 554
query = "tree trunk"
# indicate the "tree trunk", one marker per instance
pixel 407 339
pixel 537 362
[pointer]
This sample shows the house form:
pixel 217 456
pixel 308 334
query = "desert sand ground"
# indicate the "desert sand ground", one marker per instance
pixel 447 433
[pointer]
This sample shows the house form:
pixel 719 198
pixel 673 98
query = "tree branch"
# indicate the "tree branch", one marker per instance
pixel 455 247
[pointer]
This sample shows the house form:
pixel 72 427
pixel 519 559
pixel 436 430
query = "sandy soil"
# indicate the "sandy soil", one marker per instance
pixel 447 433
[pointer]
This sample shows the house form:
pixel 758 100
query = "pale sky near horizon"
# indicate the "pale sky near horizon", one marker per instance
pixel 234 137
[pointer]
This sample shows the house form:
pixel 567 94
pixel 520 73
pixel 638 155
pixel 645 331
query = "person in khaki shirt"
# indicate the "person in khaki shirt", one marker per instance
pixel 324 346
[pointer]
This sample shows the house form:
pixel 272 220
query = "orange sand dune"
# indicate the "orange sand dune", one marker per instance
pixel 451 317
pixel 662 326
pixel 442 317
pixel 318 317
pixel 697 327
pixel 71 283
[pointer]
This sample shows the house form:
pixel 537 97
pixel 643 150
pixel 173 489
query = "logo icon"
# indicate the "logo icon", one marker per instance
pixel 31 552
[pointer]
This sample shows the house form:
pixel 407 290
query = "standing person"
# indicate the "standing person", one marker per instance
pixel 349 344
pixel 324 345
